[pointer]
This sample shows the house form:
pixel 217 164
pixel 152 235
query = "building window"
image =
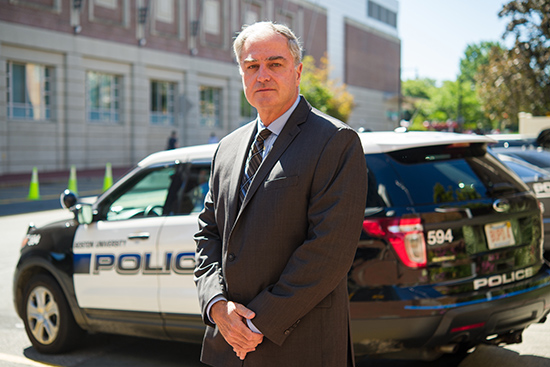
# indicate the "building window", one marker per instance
pixel 162 103
pixel 103 97
pixel 112 4
pixel 28 91
pixel 165 11
pixel 212 16
pixel 382 14
pixel 210 106
pixel 250 17
pixel 248 113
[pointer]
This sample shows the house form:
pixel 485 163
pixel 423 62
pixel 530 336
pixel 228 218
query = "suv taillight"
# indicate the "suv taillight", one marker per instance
pixel 405 235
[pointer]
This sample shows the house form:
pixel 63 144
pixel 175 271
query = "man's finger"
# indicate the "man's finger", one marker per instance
pixel 241 355
pixel 244 312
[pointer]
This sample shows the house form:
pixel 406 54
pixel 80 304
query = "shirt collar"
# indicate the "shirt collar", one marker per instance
pixel 279 123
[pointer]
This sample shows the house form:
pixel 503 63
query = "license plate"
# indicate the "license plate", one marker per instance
pixel 499 235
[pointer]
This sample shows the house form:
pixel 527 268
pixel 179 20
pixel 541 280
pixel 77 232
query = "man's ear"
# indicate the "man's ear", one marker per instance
pixel 299 73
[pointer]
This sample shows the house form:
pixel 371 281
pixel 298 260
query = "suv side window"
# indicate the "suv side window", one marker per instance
pixel 176 189
pixel 187 190
pixel 143 197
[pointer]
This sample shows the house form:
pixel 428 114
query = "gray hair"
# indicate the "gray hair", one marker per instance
pixel 293 42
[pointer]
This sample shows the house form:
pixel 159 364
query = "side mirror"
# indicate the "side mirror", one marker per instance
pixel 84 213
pixel 68 199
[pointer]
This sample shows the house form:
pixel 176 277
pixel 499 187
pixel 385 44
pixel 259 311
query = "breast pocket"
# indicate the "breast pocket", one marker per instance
pixel 326 302
pixel 281 182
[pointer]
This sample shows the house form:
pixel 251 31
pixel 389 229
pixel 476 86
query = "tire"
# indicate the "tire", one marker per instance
pixel 49 322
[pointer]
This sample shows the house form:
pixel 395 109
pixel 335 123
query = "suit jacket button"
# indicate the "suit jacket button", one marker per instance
pixel 287 332
pixel 231 257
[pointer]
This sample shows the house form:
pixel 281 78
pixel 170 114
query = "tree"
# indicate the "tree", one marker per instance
pixel 453 101
pixel 323 93
pixel 518 79
pixel 475 56
pixel 458 101
pixel 418 88
pixel 530 25
pixel 501 88
pixel 416 97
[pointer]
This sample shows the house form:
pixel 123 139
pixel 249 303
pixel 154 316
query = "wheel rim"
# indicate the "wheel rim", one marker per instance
pixel 43 315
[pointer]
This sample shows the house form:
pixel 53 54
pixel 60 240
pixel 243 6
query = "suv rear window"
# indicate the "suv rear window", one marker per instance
pixel 436 174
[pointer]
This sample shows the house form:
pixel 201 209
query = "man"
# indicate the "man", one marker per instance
pixel 277 238
pixel 172 141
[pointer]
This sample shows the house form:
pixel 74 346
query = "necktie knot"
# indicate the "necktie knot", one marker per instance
pixel 264 134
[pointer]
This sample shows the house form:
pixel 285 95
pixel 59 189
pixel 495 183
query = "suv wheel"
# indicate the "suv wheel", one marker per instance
pixel 49 322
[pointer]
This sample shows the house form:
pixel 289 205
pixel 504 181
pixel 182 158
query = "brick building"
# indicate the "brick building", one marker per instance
pixel 85 82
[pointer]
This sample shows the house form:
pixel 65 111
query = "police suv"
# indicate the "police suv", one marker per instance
pixel 450 254
pixel 538 180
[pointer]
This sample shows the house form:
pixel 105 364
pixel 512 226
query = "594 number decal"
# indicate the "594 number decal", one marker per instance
pixel 440 236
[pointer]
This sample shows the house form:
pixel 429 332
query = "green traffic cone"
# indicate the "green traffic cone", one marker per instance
pixel 34 189
pixel 108 180
pixel 73 186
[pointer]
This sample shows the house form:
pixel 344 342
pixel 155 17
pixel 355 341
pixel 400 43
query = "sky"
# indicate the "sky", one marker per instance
pixel 434 34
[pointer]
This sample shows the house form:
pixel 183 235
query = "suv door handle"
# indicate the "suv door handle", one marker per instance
pixel 139 236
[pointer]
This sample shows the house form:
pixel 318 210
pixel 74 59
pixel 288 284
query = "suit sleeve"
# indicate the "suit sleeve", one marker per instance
pixel 335 214
pixel 208 270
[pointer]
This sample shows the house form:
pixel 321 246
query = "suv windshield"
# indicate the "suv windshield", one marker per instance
pixel 436 174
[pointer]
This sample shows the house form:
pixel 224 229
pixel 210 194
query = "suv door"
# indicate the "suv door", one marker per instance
pixel 176 245
pixel 116 257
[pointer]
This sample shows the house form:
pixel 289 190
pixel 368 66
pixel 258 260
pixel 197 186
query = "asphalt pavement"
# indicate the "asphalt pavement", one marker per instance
pixel 15 188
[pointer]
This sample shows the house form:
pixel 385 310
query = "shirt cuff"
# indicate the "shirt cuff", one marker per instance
pixel 252 327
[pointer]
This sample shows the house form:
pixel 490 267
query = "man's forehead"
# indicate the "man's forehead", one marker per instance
pixel 273 43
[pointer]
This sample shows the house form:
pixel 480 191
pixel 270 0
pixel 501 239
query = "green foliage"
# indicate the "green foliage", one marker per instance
pixel 518 79
pixel 495 83
pixel 475 56
pixel 454 101
pixel 323 93
pixel 529 24
pixel 418 88
pixel 500 86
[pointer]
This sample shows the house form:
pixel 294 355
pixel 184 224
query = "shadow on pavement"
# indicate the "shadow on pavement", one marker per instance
pixel 122 351
pixel 448 360
pixel 487 355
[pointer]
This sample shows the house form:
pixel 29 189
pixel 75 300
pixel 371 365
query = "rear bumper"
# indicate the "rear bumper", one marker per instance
pixel 402 325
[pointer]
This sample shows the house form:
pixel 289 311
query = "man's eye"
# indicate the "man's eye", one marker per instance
pixel 252 66
pixel 276 64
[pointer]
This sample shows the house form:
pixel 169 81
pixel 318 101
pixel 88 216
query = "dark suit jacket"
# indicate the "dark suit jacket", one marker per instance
pixel 286 252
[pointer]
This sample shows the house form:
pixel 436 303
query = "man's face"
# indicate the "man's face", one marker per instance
pixel 270 78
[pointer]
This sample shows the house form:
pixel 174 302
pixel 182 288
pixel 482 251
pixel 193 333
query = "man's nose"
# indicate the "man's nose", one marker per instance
pixel 263 74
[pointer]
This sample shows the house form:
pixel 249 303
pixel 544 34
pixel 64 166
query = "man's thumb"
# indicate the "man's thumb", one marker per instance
pixel 245 312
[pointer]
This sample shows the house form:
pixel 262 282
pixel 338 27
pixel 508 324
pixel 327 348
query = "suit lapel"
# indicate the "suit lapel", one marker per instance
pixel 240 161
pixel 289 132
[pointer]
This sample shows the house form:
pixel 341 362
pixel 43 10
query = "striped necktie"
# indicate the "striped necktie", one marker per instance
pixel 253 162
